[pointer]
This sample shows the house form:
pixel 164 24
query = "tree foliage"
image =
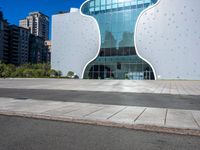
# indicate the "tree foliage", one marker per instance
pixel 70 74
pixel 28 71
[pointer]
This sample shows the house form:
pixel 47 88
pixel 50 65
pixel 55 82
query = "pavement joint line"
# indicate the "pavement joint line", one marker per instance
pixel 163 87
pixel 117 112
pixel 139 115
pixel 58 108
pixel 183 87
pixel 178 90
pixel 93 112
pixel 195 88
pixel 198 87
pixel 74 109
pixel 66 112
pixel 166 116
pixel 191 89
pixel 195 120
pixel 71 111
pixel 157 87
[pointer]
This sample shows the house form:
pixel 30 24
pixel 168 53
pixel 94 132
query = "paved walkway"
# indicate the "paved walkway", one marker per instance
pixel 159 86
pixel 143 118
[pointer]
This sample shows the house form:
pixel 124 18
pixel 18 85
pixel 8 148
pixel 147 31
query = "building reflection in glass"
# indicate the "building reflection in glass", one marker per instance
pixel 117 58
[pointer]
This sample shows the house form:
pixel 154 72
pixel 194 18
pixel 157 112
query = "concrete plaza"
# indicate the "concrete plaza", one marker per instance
pixel 132 86
pixel 118 112
pixel 142 118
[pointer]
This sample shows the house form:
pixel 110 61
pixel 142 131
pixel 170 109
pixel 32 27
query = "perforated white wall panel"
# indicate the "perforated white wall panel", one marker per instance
pixel 168 36
pixel 75 42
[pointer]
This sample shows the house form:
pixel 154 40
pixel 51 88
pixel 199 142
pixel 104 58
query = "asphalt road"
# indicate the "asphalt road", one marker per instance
pixel 31 134
pixel 115 98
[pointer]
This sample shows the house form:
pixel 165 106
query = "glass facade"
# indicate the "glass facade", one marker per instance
pixel 117 58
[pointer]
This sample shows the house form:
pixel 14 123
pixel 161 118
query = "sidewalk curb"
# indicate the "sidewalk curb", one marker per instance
pixel 141 127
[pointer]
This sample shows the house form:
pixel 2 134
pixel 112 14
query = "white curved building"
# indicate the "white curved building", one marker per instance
pixel 129 39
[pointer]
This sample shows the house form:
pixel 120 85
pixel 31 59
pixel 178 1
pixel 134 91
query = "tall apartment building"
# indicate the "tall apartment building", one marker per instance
pixel 18 45
pixel 48 45
pixel 38 51
pixel 4 35
pixel 37 23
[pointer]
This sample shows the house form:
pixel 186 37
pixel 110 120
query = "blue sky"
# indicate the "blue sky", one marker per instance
pixel 14 10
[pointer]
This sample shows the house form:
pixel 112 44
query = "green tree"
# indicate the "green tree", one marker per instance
pixel 70 74
pixel 52 73
pixel 1 69
pixel 6 70
pixel 19 72
pixel 28 71
pixel 59 73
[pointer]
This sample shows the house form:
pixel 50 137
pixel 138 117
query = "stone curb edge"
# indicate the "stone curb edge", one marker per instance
pixel 141 127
